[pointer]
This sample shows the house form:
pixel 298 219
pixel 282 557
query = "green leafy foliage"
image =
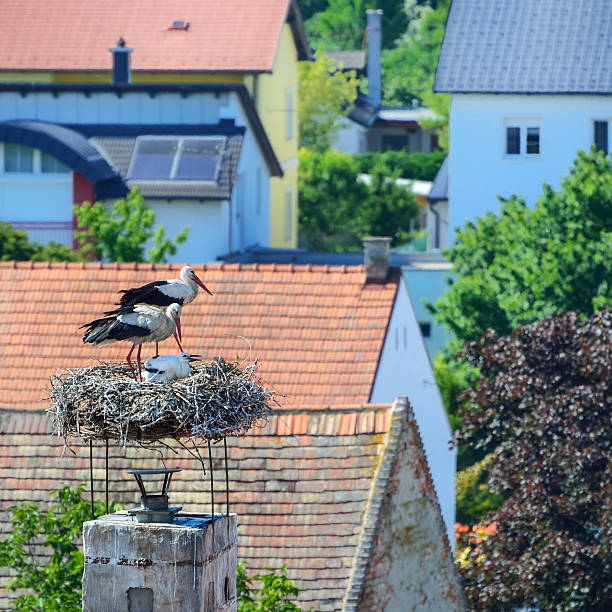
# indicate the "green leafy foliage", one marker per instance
pixel 275 593
pixel 52 584
pixel 121 233
pixel 14 245
pixel 523 265
pixel 337 209
pixel 417 166
pixel 474 498
pixel 408 69
pixel 341 24
pixel 542 402
pixel 325 95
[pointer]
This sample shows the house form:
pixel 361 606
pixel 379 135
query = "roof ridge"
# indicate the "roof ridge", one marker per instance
pixel 374 505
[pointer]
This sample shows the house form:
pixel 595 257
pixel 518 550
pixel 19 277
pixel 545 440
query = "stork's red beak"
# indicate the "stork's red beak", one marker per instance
pixel 199 282
pixel 178 327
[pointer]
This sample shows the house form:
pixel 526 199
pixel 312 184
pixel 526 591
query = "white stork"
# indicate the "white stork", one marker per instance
pixel 137 324
pixel 181 291
pixel 168 367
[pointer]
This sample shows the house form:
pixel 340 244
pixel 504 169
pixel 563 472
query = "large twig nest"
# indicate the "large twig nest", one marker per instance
pixel 104 402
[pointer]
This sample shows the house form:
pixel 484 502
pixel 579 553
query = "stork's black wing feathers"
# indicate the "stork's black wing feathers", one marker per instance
pixel 147 294
pixel 112 329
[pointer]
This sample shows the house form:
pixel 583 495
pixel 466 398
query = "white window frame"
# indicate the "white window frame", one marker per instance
pixel 523 125
pixel 36 165
pixel 289 113
pixel 289 212
pixel 179 140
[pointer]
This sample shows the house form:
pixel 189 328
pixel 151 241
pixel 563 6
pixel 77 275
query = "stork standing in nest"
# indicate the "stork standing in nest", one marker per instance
pixel 137 324
pixel 181 291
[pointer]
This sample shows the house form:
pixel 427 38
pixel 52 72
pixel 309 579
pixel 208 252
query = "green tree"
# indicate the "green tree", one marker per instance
pixel 341 25
pixel 418 166
pixel 338 208
pixel 55 584
pixel 325 95
pixel 542 402
pixel 14 244
pixel 120 234
pixel 275 594
pixel 408 69
pixel 523 265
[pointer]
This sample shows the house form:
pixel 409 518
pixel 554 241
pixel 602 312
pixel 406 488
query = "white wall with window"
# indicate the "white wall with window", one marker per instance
pixel 505 144
pixel 35 193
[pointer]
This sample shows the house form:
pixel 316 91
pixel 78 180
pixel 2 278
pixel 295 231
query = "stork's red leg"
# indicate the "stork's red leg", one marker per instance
pixel 178 342
pixel 157 349
pixel 130 363
pixel 138 360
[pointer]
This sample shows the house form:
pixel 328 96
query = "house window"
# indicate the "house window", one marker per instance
pixel 52 165
pixel 600 136
pixel 533 141
pixel 288 215
pixel 289 113
pixel 425 329
pixel 394 142
pixel 177 159
pixel 18 158
pixel 15 158
pixel 522 140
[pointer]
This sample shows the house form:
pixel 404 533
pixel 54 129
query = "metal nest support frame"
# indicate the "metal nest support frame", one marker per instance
pixel 154 507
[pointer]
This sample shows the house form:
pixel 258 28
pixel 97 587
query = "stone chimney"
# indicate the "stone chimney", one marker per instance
pixel 121 63
pixel 187 565
pixel 376 253
pixel 374 17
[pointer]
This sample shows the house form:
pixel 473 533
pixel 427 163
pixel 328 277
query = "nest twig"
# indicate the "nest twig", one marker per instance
pixel 104 402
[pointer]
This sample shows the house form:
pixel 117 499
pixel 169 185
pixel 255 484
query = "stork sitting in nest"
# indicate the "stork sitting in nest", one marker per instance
pixel 169 367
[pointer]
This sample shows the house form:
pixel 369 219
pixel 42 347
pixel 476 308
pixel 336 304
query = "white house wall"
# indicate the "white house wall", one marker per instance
pixel 405 370
pixel 480 170
pixel 208 220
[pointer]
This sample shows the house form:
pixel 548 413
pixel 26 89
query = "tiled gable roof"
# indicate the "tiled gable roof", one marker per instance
pixel 309 489
pixel 234 35
pixel 317 331
pixel 531 46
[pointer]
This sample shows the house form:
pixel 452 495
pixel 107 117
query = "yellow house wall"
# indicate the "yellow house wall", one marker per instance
pixel 270 96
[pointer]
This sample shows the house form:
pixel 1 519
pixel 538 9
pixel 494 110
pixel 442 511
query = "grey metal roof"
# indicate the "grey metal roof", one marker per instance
pixel 118 151
pixel 527 46
pixel 350 60
pixel 439 188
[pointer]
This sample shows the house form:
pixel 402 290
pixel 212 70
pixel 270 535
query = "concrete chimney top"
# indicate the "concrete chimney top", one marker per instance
pixel 376 254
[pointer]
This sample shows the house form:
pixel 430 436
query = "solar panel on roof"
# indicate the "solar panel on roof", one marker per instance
pixel 177 158
pixel 153 158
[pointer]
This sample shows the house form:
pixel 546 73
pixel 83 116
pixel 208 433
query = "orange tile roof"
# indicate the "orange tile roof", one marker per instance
pixel 312 499
pixel 317 331
pixel 233 35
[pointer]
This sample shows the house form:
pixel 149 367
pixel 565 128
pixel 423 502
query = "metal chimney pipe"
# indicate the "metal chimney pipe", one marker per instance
pixel 374 17
pixel 121 63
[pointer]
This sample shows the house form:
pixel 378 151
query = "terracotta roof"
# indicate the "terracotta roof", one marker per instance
pixel 316 499
pixel 317 331
pixel 234 35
